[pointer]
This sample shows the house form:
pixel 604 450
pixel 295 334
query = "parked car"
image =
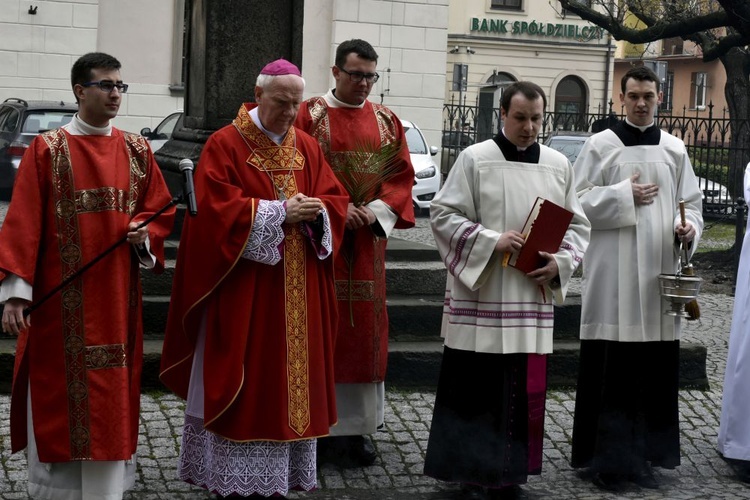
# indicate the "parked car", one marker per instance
pixel 456 139
pixel 453 142
pixel 20 122
pixel 568 143
pixel 163 132
pixel 716 198
pixel 426 175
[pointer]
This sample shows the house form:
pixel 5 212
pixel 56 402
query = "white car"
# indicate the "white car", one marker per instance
pixel 426 175
pixel 716 198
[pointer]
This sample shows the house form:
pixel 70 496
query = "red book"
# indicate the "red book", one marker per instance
pixel 544 231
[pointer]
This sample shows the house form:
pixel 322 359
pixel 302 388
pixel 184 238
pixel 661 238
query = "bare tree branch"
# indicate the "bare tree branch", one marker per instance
pixel 670 19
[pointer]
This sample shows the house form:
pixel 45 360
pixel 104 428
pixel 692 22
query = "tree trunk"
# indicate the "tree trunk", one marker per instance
pixel 737 91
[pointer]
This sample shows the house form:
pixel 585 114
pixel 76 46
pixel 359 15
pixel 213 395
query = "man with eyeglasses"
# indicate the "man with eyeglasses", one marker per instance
pixel 353 133
pixel 76 385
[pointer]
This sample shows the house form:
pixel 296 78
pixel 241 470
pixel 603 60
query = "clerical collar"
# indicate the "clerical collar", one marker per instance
pixel 77 126
pixel 277 138
pixel 642 128
pixel 511 152
pixel 630 135
pixel 334 102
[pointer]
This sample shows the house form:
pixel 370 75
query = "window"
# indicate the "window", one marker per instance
pixel 10 120
pixel 415 141
pixel 3 115
pixel 570 104
pixel 672 46
pixel 699 83
pixel 667 90
pixel 506 4
pixel 488 116
pixel 179 44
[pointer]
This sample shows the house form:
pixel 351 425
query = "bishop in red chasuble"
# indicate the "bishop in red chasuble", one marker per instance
pixel 252 321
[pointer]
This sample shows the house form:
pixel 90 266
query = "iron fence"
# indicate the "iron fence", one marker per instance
pixel 718 146
pixel 718 161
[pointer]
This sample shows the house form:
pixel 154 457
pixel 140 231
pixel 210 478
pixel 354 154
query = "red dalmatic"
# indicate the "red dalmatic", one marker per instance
pixel 362 342
pixel 82 356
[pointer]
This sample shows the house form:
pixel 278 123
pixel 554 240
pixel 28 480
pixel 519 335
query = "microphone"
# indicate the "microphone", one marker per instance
pixel 186 167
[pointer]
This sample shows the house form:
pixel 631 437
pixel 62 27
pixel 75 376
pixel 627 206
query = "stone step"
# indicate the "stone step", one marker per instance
pixel 402 250
pixel 410 317
pixel 402 278
pixel 417 364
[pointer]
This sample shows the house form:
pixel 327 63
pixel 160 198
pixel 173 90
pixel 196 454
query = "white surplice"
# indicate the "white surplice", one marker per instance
pixel 631 245
pixel 490 308
pixel 734 429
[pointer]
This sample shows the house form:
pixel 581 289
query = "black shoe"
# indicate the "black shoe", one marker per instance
pixel 512 492
pixel 741 469
pixel 472 492
pixel 361 451
pixel 331 449
pixel 643 476
pixel 608 481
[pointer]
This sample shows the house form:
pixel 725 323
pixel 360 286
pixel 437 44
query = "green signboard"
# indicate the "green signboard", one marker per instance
pixel 549 30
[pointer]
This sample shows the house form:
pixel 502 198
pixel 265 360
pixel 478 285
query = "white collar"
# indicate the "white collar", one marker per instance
pixel 334 102
pixel 77 126
pixel 519 148
pixel 639 127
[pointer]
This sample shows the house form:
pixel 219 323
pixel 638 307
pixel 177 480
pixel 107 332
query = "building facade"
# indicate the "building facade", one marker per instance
pixel 492 43
pixel 39 41
pixel 690 86
pixel 410 38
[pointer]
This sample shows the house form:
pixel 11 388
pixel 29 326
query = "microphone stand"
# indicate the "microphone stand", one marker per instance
pixel 174 201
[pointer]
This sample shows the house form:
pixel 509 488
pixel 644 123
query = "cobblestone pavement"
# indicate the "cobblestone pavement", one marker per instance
pixel 397 474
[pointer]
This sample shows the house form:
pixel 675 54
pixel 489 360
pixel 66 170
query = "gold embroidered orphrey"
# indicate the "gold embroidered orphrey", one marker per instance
pixel 273 158
pixel 270 157
pixel 79 358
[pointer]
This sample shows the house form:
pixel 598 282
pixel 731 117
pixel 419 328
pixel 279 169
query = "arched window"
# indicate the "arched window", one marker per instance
pixel 488 115
pixel 570 104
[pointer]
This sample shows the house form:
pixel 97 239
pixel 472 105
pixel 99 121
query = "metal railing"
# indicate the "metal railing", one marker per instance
pixel 718 146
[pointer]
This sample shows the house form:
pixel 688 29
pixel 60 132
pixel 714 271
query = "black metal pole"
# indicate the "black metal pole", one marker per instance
pixel 96 259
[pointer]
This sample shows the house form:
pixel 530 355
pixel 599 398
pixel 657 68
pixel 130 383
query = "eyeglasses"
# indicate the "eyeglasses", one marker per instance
pixel 108 86
pixel 358 76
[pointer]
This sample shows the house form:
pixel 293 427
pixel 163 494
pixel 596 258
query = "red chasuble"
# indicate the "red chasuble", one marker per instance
pixel 362 342
pixel 270 329
pixel 74 197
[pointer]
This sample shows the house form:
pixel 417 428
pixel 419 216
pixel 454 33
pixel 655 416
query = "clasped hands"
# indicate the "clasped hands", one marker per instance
pixel 357 217
pixel 300 208
pixel 512 241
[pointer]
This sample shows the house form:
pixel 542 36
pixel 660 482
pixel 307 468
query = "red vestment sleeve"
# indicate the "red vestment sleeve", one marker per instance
pixel 159 228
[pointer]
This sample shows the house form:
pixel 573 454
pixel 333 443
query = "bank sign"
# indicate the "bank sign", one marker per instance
pixel 549 30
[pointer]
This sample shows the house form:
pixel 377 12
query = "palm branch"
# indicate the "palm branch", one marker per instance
pixel 366 168
pixel 364 171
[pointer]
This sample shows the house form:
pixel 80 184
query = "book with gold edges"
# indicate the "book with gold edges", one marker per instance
pixel 543 231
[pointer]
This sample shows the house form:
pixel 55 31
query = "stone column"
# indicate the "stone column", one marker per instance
pixel 229 41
